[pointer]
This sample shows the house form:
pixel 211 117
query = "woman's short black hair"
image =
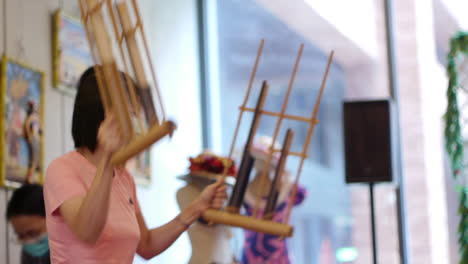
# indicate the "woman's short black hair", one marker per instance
pixel 26 200
pixel 88 112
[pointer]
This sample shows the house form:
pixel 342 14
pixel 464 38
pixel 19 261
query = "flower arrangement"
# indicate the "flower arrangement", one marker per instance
pixel 209 163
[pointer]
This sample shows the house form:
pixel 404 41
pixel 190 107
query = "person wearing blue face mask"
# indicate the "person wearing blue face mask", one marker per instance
pixel 26 214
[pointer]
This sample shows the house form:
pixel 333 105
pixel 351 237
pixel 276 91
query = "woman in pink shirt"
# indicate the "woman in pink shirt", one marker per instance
pixel 92 212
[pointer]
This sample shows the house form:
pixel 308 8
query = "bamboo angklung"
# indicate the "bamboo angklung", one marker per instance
pixel 109 24
pixel 266 225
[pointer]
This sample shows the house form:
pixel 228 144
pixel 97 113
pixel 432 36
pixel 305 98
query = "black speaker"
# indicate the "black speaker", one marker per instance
pixel 368 141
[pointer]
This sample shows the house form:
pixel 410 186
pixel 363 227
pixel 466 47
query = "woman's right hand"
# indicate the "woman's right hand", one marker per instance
pixel 109 138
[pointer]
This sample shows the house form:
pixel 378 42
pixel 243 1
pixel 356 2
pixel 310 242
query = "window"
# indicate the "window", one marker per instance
pixel 233 30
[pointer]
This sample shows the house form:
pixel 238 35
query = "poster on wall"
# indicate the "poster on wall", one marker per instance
pixel 139 167
pixel 71 52
pixel 22 109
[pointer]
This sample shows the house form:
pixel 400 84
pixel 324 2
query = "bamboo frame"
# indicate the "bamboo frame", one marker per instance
pixel 246 98
pixel 119 94
pixel 277 127
pixel 244 103
pixel 309 137
pixel 285 116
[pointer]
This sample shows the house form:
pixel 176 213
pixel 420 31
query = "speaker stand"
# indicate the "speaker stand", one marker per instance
pixel 373 229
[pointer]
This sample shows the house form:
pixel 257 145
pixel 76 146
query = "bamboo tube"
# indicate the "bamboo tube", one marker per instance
pixel 130 87
pixel 137 62
pixel 148 55
pixel 244 103
pixel 121 107
pixel 106 101
pixel 257 225
pixel 101 37
pixel 132 44
pixel 143 142
pixel 110 72
pixel 275 187
pixel 247 162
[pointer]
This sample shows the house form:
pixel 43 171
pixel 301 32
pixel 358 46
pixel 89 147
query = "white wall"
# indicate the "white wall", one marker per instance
pixel 173 37
pixel 28 25
pixel 433 82
pixel 458 10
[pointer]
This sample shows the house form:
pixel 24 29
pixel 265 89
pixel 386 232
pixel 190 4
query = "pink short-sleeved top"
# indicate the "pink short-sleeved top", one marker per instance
pixel 70 176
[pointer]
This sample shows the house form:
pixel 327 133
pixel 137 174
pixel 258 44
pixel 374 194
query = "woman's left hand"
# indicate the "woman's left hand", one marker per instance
pixel 213 196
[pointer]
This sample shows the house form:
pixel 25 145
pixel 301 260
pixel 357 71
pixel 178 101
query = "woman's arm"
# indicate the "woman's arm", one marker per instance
pixel 155 241
pixel 86 216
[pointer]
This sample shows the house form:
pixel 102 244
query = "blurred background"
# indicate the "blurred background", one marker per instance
pixel 204 53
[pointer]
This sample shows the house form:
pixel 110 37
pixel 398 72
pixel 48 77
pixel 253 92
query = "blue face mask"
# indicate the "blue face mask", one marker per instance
pixel 37 248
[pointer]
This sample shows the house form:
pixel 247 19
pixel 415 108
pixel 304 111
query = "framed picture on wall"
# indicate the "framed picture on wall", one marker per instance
pixel 71 54
pixel 22 111
pixel 140 168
